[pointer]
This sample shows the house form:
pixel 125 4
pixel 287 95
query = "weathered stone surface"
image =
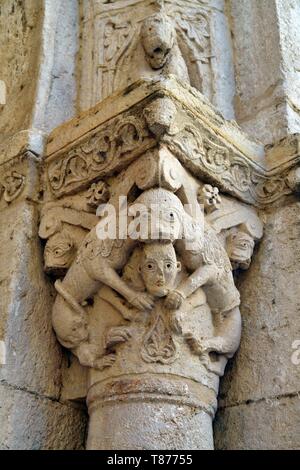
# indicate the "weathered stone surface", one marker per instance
pixel 37 56
pixel 268 424
pixel 270 314
pixel 204 56
pixel 21 29
pixel 57 98
pixel 149 426
pixel 33 358
pixel 266 66
pixel 152 324
pixel 31 422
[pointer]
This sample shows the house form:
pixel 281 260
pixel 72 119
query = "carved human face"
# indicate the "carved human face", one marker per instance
pixel 157 36
pixel 159 268
pixel 239 248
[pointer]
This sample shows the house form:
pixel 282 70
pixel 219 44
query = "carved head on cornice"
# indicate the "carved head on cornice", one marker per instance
pixel 158 36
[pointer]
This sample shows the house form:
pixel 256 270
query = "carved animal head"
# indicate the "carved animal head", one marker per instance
pixel 60 251
pixel 239 247
pixel 64 229
pixel 158 36
pixel 159 268
pixel 158 215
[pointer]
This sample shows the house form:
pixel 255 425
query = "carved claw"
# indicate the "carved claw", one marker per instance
pixel 105 361
pixel 216 344
pixel 204 347
pixel 142 301
pixel 195 345
pixel 87 354
pixel 176 322
pixel 118 334
pixel 174 300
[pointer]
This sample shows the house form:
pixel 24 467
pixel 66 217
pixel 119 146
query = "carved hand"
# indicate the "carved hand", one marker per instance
pixel 174 300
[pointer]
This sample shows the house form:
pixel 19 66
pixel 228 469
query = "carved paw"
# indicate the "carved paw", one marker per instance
pixel 216 344
pixel 176 322
pixel 195 345
pixel 207 346
pixel 129 313
pixel 105 361
pixel 118 334
pixel 174 300
pixel 87 354
pixel 142 301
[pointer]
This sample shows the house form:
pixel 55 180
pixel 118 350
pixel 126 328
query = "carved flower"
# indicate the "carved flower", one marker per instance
pixel 13 184
pixel 98 194
pixel 209 196
pixel 127 137
pixel 217 158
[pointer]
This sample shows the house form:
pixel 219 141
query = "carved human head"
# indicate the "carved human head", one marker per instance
pixel 158 214
pixel 159 268
pixel 239 247
pixel 157 35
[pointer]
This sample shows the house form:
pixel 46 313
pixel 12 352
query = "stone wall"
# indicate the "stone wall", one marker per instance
pixel 31 414
pixel 40 92
pixel 266 62
pixel 259 396
pixel 21 29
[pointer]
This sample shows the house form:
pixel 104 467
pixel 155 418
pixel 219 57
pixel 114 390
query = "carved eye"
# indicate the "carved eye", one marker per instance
pixel 169 216
pixel 150 266
pixel 63 249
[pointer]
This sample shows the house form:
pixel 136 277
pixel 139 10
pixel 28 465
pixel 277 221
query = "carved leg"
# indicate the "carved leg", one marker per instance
pixel 140 300
pixel 228 334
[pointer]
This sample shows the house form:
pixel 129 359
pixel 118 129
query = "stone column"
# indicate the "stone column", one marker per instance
pixel 265 41
pixel 136 310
